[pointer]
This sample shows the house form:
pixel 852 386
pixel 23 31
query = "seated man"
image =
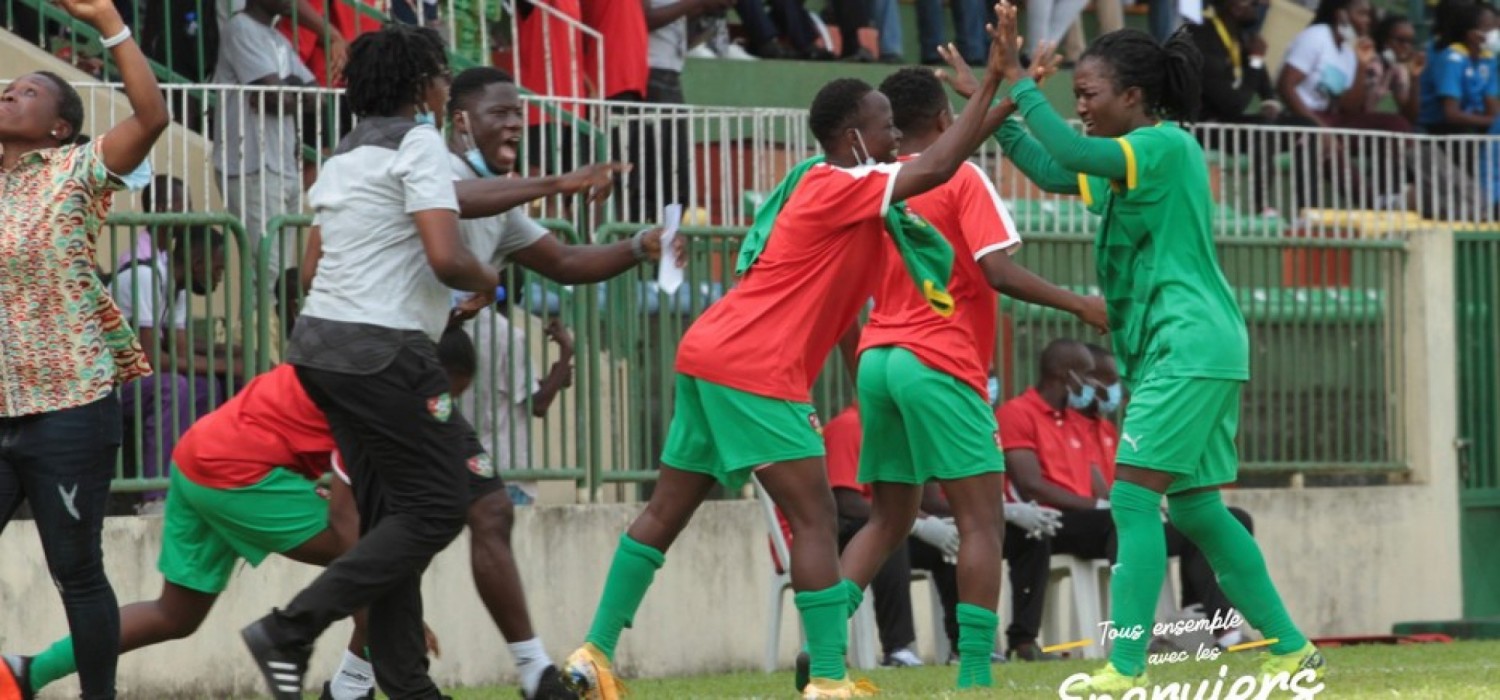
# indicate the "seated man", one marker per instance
pixel 189 381
pixel 1101 436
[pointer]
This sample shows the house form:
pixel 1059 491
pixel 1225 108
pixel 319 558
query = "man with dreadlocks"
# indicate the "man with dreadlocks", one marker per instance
pixel 386 218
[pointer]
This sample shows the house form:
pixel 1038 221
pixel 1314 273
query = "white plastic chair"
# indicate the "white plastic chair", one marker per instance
pixel 865 635
pixel 781 577
pixel 1090 588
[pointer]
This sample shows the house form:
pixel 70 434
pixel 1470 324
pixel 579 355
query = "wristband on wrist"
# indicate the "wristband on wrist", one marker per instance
pixel 117 39
pixel 638 246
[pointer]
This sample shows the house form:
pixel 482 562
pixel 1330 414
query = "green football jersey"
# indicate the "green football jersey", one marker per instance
pixel 1171 311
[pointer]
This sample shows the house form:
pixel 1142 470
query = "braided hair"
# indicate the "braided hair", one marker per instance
pixel 391 69
pixel 836 107
pixel 1170 76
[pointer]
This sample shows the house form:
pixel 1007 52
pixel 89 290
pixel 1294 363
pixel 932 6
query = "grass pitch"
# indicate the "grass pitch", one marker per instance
pixel 1460 671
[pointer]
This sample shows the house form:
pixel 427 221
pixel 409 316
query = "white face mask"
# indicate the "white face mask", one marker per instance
pixel 1492 41
pixel 1347 33
pixel 1389 56
pixel 868 159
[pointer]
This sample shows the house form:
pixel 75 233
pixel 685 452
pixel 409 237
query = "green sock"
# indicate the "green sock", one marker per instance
pixel 1136 583
pixel 1238 564
pixel 630 576
pixel 976 639
pixel 55 663
pixel 855 593
pixel 826 620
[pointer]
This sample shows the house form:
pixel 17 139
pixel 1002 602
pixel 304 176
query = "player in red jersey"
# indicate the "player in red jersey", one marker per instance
pixel 746 367
pixel 922 378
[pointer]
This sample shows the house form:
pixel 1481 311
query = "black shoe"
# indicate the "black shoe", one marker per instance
pixel 19 668
pixel 803 675
pixel 818 53
pixel 551 687
pixel 1031 652
pixel 282 667
pixel 328 693
pixel 863 55
pixel 892 59
pixel 772 51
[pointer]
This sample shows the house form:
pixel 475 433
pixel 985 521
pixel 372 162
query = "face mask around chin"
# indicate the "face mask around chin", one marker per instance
pixel 1081 399
pixel 476 161
pixel 1347 33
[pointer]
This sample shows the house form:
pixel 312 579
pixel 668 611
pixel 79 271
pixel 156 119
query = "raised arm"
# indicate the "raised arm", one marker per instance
pixel 479 199
pixel 583 264
pixel 129 142
pixel 1034 161
pixel 939 162
pixel 1100 157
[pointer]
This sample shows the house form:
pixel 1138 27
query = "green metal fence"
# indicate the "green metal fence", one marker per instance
pixel 1477 290
pixel 196 319
pixel 1324 318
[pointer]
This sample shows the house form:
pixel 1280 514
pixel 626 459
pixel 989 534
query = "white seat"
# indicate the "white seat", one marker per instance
pixel 1091 606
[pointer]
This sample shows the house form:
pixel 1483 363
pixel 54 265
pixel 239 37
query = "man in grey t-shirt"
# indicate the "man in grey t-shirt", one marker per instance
pixel 256 150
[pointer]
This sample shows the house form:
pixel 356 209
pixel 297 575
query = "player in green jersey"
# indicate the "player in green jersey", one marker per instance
pixel 1176 328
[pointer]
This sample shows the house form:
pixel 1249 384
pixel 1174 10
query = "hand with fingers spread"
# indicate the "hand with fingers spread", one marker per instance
pixel 961 78
pixel 1046 62
pixel 596 181
pixel 1005 46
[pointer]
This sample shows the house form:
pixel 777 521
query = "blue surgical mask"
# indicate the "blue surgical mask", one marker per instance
pixel 426 117
pixel 1113 395
pixel 476 161
pixel 994 390
pixel 1081 399
pixel 136 180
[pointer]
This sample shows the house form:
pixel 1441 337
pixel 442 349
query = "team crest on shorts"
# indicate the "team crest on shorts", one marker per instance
pixel 817 425
pixel 997 439
pixel 482 466
pixel 440 406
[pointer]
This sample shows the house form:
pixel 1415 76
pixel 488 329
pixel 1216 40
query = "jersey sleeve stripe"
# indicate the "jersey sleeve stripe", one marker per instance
pixel 1009 246
pixel 1083 189
pixel 890 188
pixel 1012 234
pixel 1130 169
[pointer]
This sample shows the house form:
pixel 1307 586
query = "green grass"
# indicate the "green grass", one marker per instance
pixel 1461 671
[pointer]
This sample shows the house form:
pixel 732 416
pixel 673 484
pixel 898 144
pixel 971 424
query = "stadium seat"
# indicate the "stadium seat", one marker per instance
pixel 1089 579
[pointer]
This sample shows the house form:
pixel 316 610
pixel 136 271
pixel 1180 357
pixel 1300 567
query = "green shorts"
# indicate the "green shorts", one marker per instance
pixel 921 424
pixel 725 433
pixel 206 531
pixel 1183 426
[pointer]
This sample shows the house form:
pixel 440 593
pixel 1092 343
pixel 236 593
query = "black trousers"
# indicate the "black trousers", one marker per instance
pixel 61 463
pixel 1091 534
pixel 891 587
pixel 398 430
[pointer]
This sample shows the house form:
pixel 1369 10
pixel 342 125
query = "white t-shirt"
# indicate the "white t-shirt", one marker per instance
pixel 505 379
pixel 141 291
pixel 666 48
pixel 247 139
pixel 1329 69
pixel 496 237
pixel 374 269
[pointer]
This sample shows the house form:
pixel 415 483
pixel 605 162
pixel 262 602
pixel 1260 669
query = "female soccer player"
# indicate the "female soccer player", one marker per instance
pixel 65 347
pixel 746 366
pixel 1176 328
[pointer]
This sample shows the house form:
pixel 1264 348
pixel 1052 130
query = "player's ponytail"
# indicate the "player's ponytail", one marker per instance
pixel 1182 84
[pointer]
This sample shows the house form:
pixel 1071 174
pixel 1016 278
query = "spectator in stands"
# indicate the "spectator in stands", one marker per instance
pixel 153 296
pixel 256 150
pixel 66 347
pixel 850 16
pixel 552 64
pixel 1461 89
pixel 626 66
pixel 887 19
pixel 664 154
pixel 1234 76
pixel 796 25
pixel 165 195
pixel 510 394
pixel 1102 436
pixel 969 18
pixel 1401 65
pixel 760 32
pixel 1047 21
